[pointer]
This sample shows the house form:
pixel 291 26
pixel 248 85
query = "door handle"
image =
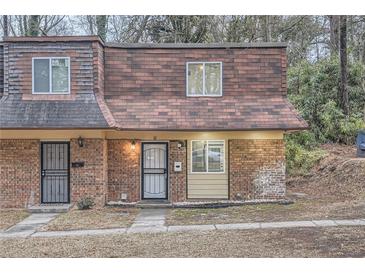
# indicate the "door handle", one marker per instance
pixel 43 173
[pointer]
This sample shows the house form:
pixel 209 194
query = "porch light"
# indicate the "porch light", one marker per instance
pixel 80 141
pixel 133 144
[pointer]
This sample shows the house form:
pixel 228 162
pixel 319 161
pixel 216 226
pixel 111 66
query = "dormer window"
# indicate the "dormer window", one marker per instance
pixel 204 79
pixel 51 75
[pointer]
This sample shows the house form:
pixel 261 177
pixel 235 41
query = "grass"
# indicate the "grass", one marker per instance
pixel 302 209
pixel 107 217
pixel 9 217
pixel 300 242
pixel 234 214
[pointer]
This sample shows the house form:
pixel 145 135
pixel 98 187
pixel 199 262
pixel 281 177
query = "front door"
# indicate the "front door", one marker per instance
pixel 154 171
pixel 55 170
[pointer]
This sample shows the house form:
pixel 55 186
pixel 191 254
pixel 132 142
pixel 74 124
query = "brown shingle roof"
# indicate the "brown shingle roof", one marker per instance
pixel 245 112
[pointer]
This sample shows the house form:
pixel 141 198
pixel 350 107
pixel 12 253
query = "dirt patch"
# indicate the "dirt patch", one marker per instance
pixel 107 217
pixel 304 242
pixel 337 177
pixel 9 217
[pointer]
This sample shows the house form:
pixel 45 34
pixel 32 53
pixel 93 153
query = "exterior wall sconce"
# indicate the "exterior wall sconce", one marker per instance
pixel 133 144
pixel 80 141
pixel 180 144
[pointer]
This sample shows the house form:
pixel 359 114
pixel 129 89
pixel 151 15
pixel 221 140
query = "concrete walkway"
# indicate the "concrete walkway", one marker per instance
pixel 154 224
pixel 149 220
pixel 29 225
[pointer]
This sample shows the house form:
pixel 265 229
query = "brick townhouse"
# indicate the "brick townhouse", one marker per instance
pixel 134 122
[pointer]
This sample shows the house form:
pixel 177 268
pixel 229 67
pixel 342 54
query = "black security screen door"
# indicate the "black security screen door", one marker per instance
pixel 55 172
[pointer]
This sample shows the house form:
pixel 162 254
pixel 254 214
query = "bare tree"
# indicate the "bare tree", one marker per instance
pixel 334 33
pixel 33 25
pixel 179 29
pixel 129 29
pixel 5 26
pixel 344 96
pixel 101 26
pixel 49 23
pixel 267 28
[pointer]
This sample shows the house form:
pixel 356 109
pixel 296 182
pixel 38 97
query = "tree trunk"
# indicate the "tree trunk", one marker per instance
pixel 5 26
pixel 267 28
pixel 101 26
pixel 344 96
pixel 33 29
pixel 334 34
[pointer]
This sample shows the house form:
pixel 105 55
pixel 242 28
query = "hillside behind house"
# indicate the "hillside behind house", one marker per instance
pixel 338 177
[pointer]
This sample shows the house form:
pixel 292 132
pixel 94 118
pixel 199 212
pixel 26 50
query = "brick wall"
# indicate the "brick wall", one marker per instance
pixel 19 173
pixel 177 180
pixel 257 169
pixel 124 170
pixel 90 180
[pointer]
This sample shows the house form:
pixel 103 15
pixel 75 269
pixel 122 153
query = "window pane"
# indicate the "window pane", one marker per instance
pixel 195 79
pixel 60 75
pixel 199 156
pixel 216 157
pixel 213 79
pixel 41 75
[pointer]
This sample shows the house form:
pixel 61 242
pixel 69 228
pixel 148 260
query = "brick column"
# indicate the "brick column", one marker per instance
pixel 257 169
pixel 177 180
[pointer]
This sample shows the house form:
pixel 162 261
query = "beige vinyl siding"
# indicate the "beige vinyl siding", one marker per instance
pixel 208 185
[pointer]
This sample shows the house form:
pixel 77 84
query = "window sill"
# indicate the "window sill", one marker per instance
pixel 207 172
pixel 221 95
pixel 49 97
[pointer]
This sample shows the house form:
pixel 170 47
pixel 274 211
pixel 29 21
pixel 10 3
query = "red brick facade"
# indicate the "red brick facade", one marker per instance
pixel 256 169
pixel 19 173
pixel 124 170
pixel 112 167
pixel 90 180
pixel 177 180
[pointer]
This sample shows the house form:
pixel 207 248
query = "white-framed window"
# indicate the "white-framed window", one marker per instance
pixel 51 75
pixel 204 79
pixel 207 156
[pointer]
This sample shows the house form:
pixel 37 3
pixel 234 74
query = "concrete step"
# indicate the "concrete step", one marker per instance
pixel 50 208
pixel 153 204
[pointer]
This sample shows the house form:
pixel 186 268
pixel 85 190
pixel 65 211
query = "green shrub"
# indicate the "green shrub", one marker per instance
pixel 301 154
pixel 337 127
pixel 85 203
